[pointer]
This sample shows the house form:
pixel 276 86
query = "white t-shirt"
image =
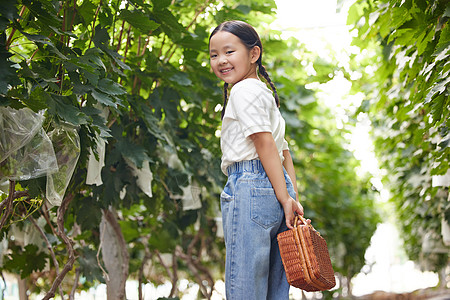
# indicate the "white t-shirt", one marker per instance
pixel 251 108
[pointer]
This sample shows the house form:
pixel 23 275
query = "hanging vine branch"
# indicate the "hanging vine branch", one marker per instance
pixel 6 205
pixel 13 31
pixel 68 242
pixel 194 20
pixel 93 23
pixel 50 250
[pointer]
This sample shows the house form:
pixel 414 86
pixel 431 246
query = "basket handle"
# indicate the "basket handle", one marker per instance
pixel 304 222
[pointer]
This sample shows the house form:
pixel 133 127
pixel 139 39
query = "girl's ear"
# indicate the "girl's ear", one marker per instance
pixel 255 54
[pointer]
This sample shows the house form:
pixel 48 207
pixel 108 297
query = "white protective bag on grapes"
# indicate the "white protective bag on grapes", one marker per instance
pixel 66 143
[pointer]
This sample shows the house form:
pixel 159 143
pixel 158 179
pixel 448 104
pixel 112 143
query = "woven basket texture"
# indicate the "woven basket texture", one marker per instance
pixel 306 259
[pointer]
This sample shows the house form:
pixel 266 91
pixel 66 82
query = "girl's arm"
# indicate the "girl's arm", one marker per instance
pixel 268 154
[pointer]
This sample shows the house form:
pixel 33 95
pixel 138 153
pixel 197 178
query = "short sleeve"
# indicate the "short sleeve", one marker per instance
pixel 251 111
pixel 285 145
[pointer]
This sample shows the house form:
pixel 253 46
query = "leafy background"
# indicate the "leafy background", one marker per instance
pixel 136 75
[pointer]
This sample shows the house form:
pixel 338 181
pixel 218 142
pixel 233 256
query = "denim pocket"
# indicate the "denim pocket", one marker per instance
pixel 226 201
pixel 225 197
pixel 265 208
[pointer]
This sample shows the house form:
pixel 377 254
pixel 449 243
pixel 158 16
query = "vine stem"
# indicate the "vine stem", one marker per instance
pixel 195 266
pixel 62 40
pixel 162 45
pixel 61 233
pixel 148 255
pixel 75 284
pixel 127 44
pixel 73 19
pixel 93 23
pixel 126 48
pixel 7 203
pixel 8 42
pixel 119 41
pixel 173 275
pixel 50 249
pixel 47 218
pixel 197 270
pixel 197 13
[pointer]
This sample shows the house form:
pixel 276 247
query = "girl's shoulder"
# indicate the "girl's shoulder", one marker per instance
pixel 251 92
pixel 249 85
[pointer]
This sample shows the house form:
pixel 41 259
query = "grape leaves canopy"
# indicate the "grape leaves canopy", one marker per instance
pixel 407 100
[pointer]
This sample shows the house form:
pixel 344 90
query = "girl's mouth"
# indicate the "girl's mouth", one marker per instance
pixel 225 71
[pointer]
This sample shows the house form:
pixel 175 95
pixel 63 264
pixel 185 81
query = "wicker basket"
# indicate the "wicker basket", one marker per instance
pixel 305 258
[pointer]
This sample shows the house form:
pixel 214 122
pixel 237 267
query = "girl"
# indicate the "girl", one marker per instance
pixel 258 201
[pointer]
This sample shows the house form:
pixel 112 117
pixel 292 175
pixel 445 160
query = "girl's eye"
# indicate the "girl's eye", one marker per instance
pixel 229 52
pixel 213 56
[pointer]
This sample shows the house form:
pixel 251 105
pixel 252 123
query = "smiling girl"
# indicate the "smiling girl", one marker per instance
pixel 259 199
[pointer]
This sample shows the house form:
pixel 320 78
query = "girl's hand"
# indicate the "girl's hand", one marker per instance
pixel 291 207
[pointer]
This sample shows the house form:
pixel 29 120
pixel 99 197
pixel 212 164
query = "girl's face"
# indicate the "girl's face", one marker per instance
pixel 230 59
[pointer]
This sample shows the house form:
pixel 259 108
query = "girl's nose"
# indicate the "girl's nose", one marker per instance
pixel 223 60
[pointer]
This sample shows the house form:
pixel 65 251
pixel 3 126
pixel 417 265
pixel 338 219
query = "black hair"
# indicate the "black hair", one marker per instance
pixel 250 38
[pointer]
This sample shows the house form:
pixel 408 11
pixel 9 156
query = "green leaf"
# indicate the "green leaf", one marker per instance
pixel 9 9
pixel 88 214
pixel 40 39
pixel 89 264
pixel 152 122
pixel 440 169
pixel 8 13
pixel 170 24
pixel 26 261
pixel 130 230
pixel 94 55
pixel 169 103
pixel 165 238
pixel 44 12
pixel 103 99
pixel 438 105
pixel 101 36
pixel 421 45
pixel 136 153
pixel 354 13
pixel 117 58
pixel 87 11
pixel 245 9
pixel 447 11
pixel 110 87
pixel 97 120
pixel 139 20
pixel 38 99
pixel 63 107
pixel 444 39
pixel 161 4
pixel 181 78
pixel 62 33
pixel 438 88
pixel 189 41
pixel 8 74
pixel 79 88
pixel 399 16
